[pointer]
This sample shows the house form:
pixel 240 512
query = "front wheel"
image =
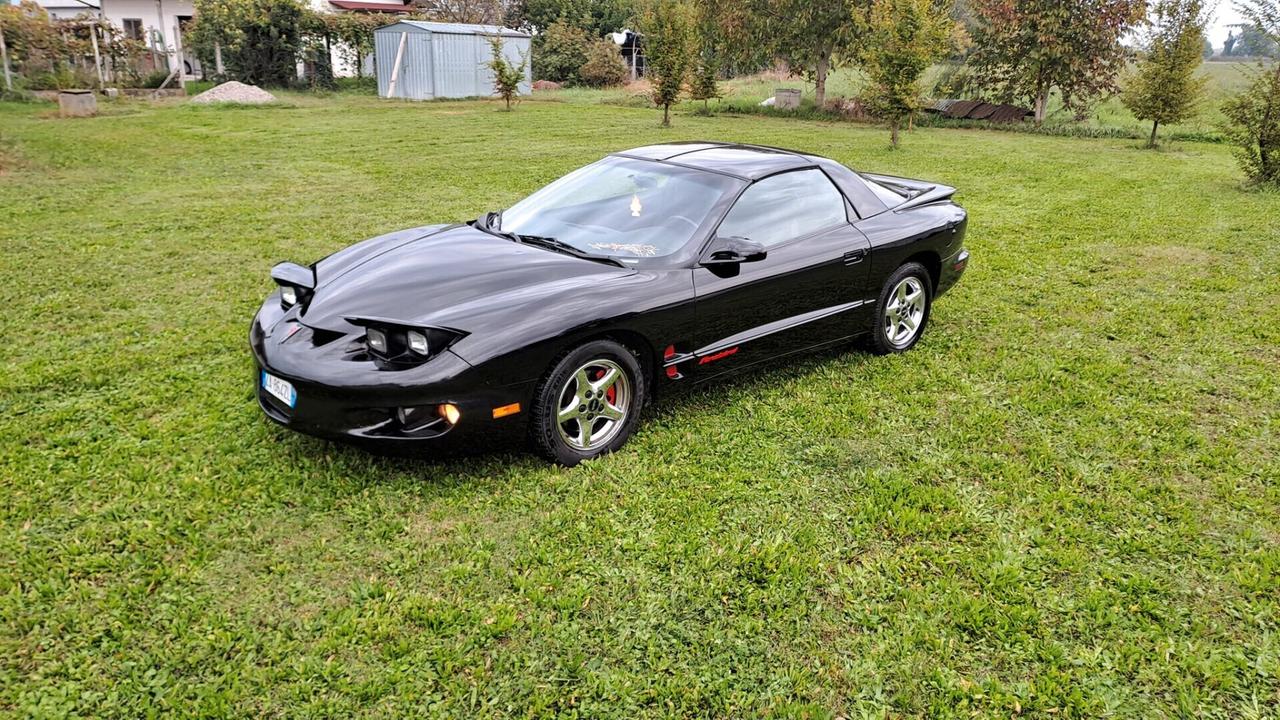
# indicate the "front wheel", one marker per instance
pixel 589 404
pixel 903 310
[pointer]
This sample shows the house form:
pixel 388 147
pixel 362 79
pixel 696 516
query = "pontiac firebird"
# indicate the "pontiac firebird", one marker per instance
pixel 559 318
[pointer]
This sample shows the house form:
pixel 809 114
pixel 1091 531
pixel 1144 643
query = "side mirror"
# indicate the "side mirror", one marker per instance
pixel 733 251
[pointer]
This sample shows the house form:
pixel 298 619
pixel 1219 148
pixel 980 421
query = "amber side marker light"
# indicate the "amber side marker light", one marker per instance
pixel 506 410
pixel 450 412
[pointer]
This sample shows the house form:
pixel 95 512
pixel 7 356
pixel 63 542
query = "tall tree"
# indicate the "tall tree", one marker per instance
pixel 1165 88
pixel 667 27
pixel 1253 116
pixel 812 36
pixel 597 17
pixel 902 38
pixel 1252 42
pixel 1026 49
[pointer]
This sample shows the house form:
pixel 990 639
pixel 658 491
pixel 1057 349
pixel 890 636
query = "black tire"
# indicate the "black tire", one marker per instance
pixel 549 436
pixel 880 341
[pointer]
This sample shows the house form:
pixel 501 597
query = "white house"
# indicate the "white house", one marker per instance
pixel 65 9
pixel 160 23
pixel 157 23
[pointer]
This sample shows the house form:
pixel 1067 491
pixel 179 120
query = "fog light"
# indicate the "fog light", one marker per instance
pixel 412 418
pixel 418 342
pixel 289 295
pixel 377 341
pixel 450 413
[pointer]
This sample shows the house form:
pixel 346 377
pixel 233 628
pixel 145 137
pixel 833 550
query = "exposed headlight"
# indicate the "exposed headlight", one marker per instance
pixel 418 343
pixel 395 344
pixel 289 296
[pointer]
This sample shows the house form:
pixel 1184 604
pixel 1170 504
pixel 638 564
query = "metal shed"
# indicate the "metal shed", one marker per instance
pixel 424 60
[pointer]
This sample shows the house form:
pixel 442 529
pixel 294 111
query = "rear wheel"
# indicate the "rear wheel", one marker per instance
pixel 589 404
pixel 903 310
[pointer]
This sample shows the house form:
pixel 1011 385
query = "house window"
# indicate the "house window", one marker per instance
pixel 133 28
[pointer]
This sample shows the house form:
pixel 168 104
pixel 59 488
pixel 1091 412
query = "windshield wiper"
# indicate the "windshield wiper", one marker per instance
pixel 491 222
pixel 566 248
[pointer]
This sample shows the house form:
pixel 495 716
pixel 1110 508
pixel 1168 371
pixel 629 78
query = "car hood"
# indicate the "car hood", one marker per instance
pixel 442 276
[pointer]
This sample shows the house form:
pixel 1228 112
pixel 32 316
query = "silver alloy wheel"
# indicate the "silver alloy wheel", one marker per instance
pixel 904 312
pixel 593 405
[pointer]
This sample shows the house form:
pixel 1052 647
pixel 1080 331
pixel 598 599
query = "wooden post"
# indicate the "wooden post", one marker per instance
pixel 395 69
pixel 4 55
pixel 177 55
pixel 97 56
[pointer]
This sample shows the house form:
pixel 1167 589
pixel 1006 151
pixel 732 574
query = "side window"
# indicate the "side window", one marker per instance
pixel 785 207
pixel 133 28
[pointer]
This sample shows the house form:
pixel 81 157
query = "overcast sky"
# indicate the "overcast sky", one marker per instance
pixel 1225 15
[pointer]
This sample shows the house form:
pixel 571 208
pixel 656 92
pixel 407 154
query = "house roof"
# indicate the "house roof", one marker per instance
pixel 395 7
pixel 458 28
pixel 85 5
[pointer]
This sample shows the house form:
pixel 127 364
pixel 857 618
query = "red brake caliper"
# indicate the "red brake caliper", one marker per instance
pixel 612 393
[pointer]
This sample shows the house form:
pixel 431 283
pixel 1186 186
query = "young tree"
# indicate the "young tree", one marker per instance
pixel 507 75
pixel 1165 88
pixel 667 29
pixel 1253 116
pixel 704 85
pixel 1027 48
pixel 902 38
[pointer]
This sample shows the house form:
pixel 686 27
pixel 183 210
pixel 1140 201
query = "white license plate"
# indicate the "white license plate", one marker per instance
pixel 281 389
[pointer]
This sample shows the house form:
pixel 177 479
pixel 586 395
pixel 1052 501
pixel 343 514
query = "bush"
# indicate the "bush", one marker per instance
pixel 559 53
pixel 1253 126
pixel 604 66
pixel 261 39
pixel 153 79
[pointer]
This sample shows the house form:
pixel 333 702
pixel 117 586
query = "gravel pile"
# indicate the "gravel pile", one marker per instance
pixel 235 92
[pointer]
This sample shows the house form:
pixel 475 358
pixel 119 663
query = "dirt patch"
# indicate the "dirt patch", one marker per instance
pixel 1179 254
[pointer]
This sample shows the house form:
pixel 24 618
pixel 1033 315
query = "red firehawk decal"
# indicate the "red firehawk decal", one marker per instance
pixel 718 356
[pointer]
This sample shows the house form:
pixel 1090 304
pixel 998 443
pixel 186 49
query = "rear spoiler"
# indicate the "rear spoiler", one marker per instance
pixel 917 192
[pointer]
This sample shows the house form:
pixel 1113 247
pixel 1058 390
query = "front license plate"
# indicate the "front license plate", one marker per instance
pixel 281 389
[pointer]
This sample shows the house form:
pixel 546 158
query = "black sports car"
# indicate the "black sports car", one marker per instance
pixel 558 318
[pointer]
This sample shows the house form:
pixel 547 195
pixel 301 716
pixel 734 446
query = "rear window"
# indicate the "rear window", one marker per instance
pixel 887 195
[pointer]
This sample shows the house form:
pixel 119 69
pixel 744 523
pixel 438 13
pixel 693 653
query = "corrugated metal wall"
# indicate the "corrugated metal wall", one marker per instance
pixel 443 64
pixel 415 80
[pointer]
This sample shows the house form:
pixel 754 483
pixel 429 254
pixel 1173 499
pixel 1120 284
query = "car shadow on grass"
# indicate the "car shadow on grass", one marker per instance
pixel 489 458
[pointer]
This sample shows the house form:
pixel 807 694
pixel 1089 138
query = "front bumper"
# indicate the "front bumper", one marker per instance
pixel 342 395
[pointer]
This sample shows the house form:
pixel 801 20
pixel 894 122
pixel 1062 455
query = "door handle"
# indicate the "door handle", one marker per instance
pixel 853 257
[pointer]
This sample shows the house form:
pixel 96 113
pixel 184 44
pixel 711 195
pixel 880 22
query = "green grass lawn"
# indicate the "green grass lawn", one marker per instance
pixel 1065 502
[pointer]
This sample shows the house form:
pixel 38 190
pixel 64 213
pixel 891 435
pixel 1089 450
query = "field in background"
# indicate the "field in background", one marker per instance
pixel 1063 503
pixel 1108 116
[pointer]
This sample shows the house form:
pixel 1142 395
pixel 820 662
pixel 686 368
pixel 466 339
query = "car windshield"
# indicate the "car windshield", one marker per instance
pixel 621 207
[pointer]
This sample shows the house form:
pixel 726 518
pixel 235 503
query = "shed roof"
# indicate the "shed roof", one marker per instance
pixel 460 28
